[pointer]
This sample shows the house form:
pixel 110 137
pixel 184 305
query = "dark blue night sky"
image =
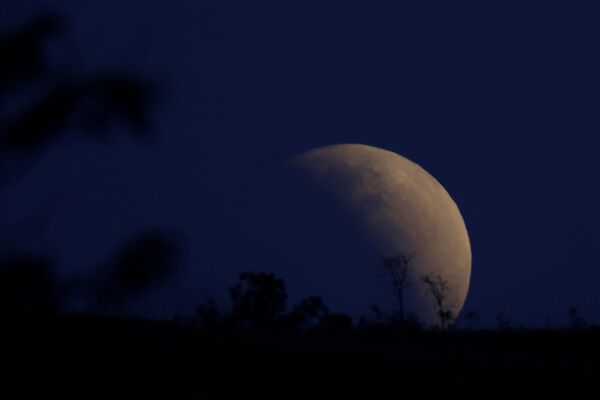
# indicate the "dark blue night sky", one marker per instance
pixel 498 100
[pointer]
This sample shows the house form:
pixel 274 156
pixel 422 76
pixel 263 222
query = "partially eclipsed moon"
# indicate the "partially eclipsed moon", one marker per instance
pixel 405 211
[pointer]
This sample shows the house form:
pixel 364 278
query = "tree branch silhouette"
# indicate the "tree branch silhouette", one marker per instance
pixel 438 288
pixel 69 102
pixel 398 269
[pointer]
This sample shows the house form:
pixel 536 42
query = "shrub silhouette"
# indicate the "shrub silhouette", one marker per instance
pixel 258 301
pixel 207 315
pixel 576 320
pixel 308 313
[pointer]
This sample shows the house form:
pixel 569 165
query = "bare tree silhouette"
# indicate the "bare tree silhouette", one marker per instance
pixel 397 268
pixel 438 288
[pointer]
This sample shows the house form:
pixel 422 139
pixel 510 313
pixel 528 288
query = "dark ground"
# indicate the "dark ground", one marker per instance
pixel 107 358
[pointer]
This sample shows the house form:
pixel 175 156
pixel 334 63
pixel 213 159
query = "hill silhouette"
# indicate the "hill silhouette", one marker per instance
pixel 100 357
pixel 258 349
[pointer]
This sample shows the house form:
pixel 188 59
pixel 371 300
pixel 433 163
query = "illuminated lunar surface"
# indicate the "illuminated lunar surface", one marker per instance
pixel 404 210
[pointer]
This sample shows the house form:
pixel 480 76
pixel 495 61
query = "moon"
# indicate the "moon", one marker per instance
pixel 404 211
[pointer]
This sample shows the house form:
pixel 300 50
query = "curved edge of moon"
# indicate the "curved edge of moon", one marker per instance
pixel 404 210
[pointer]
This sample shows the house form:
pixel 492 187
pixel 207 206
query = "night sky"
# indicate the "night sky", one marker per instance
pixel 498 100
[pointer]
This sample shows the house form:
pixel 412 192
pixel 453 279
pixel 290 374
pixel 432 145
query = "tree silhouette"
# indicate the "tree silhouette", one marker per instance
pixel 308 313
pixel 40 105
pixel 438 288
pixel 22 53
pixel 397 268
pixel 337 323
pixel 136 266
pixel 207 315
pixel 258 301
pixel 68 101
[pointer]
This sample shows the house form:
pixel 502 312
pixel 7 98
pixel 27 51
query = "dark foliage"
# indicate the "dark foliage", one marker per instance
pixel 22 55
pixel 258 301
pixel 70 101
pixel 208 316
pixel 308 313
pixel 42 123
pixel 144 261
pixel 112 98
pixel 337 323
